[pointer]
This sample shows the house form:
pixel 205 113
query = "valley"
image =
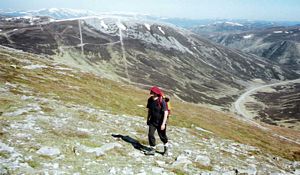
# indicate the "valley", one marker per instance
pixel 185 65
pixel 74 86
pixel 276 104
pixel 276 43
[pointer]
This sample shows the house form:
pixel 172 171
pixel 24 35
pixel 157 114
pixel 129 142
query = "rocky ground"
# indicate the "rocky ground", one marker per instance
pixel 43 134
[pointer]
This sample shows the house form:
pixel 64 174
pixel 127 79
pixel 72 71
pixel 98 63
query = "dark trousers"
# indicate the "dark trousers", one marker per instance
pixel 161 133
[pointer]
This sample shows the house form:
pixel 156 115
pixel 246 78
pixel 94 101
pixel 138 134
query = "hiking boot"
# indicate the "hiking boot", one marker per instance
pixel 151 151
pixel 165 150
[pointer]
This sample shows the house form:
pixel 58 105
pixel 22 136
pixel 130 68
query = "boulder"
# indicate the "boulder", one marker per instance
pixel 203 160
pixel 48 151
pixel 101 150
pixel 182 159
pixel 157 170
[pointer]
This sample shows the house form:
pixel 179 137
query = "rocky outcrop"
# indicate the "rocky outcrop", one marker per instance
pixel 48 151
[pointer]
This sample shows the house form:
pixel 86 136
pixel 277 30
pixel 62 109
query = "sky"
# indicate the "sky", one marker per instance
pixel 275 10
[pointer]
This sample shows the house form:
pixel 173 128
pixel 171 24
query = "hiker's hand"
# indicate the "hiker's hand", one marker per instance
pixel 163 127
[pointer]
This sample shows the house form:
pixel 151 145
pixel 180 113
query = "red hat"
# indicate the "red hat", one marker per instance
pixel 156 90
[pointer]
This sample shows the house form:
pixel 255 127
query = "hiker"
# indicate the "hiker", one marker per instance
pixel 157 119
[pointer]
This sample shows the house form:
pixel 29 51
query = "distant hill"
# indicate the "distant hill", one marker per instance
pixel 279 44
pixel 56 13
pixel 195 24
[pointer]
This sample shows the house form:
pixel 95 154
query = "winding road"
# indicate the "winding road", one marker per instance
pixel 242 112
pixel 240 101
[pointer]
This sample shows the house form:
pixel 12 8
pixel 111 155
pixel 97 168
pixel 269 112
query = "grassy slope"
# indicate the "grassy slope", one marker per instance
pixel 85 88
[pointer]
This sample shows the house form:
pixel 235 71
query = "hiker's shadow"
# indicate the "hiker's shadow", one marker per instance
pixel 136 144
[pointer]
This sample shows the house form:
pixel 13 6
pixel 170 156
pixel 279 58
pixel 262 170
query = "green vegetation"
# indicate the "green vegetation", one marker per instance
pixel 178 171
pixel 4 104
pixel 4 155
pixel 202 167
pixel 33 163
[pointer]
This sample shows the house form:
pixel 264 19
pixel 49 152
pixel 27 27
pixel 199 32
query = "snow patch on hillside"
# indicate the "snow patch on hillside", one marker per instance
pixel 121 25
pixel 104 25
pixel 148 26
pixel 108 26
pixel 248 36
pixel 161 30
pixel 233 23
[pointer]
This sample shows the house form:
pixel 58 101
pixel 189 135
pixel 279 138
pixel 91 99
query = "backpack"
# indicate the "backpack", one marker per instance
pixel 168 104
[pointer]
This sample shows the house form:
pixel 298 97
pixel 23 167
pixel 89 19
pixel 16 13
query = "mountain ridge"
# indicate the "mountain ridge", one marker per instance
pixel 196 69
pixel 279 44
pixel 188 23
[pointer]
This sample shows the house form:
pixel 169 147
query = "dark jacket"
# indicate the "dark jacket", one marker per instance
pixel 156 111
